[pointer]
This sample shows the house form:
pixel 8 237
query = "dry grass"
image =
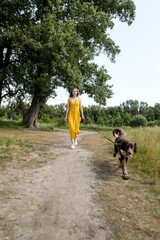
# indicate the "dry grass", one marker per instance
pixel 146 161
pixel 147 158
pixel 130 207
pixel 23 147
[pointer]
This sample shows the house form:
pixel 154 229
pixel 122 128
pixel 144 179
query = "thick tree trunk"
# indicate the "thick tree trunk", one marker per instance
pixel 30 119
pixel 1 77
pixel 0 94
pixel 4 63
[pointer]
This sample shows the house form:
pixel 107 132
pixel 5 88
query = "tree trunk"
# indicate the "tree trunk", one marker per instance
pixel 4 63
pixel 0 93
pixel 30 119
pixel 1 75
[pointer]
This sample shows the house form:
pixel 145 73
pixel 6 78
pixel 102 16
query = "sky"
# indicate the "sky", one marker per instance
pixel 136 72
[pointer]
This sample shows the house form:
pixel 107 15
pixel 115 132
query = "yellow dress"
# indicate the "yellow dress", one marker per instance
pixel 74 118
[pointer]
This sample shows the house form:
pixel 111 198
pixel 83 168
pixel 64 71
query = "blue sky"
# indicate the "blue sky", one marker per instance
pixel 136 72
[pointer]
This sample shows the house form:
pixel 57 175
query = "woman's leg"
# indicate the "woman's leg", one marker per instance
pixel 72 142
pixel 75 141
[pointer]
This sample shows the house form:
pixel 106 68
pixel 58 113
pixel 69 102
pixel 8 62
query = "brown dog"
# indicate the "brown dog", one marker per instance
pixel 125 148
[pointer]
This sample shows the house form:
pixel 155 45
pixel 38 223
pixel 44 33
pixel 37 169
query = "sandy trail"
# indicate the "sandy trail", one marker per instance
pixel 54 202
pixel 52 192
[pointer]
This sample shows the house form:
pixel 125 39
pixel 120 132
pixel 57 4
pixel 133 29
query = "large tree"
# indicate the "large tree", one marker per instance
pixel 14 15
pixel 58 45
pixel 130 106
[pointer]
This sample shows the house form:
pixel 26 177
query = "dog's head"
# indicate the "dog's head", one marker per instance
pixel 129 148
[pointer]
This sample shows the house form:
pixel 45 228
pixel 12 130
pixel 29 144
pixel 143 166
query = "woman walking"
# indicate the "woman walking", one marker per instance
pixel 73 113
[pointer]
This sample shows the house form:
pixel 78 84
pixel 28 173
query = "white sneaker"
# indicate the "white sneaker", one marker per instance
pixel 75 141
pixel 72 146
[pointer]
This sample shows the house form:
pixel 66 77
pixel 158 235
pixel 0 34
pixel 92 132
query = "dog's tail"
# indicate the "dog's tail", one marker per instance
pixel 118 132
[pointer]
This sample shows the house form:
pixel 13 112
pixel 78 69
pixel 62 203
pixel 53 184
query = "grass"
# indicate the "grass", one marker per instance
pixel 25 148
pixel 5 150
pixel 156 213
pixel 19 146
pixel 146 162
pixel 43 126
pixel 5 141
pixel 6 123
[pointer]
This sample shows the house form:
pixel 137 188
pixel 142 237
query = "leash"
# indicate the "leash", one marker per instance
pixel 99 132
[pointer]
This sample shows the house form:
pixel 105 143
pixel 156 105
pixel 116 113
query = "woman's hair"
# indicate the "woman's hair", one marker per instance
pixel 71 94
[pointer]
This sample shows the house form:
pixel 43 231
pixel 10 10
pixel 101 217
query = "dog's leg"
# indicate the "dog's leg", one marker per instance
pixel 125 174
pixel 124 169
pixel 121 159
pixel 115 150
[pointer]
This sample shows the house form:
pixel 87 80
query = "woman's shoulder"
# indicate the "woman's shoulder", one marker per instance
pixel 69 100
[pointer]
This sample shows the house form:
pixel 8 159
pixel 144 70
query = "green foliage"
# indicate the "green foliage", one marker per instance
pixel 157 111
pixel 145 162
pixel 109 116
pixel 154 123
pixel 14 110
pixel 59 110
pixel 46 110
pixel 5 141
pixel 138 121
pixel 5 123
pixel 46 118
pixel 118 121
pixel 2 112
pixel 45 44
pixel 130 106
pixel 126 118
pixel 14 15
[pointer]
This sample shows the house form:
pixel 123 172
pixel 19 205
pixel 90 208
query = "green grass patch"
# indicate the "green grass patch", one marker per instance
pixel 5 150
pixel 148 148
pixel 55 123
pixel 94 127
pixel 6 123
pixel 5 141
pixel 146 162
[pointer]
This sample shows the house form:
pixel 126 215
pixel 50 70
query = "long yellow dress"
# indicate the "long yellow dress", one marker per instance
pixel 74 118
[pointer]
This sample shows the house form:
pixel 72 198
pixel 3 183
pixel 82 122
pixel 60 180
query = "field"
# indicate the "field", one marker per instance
pixel 146 160
pixel 28 155
pixel 145 163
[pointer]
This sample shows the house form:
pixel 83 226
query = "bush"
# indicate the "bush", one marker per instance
pixel 2 112
pixel 154 123
pixel 46 118
pixel 138 121
pixel 60 122
pixel 118 121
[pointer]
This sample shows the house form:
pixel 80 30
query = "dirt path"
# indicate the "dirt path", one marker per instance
pixel 70 196
pixel 54 202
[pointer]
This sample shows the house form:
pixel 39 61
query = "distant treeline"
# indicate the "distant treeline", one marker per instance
pixel 130 113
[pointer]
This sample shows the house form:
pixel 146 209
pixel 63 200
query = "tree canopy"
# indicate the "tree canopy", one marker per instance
pixel 49 43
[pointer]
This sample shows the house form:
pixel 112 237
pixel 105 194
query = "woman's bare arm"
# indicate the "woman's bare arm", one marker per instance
pixel 68 107
pixel 81 108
